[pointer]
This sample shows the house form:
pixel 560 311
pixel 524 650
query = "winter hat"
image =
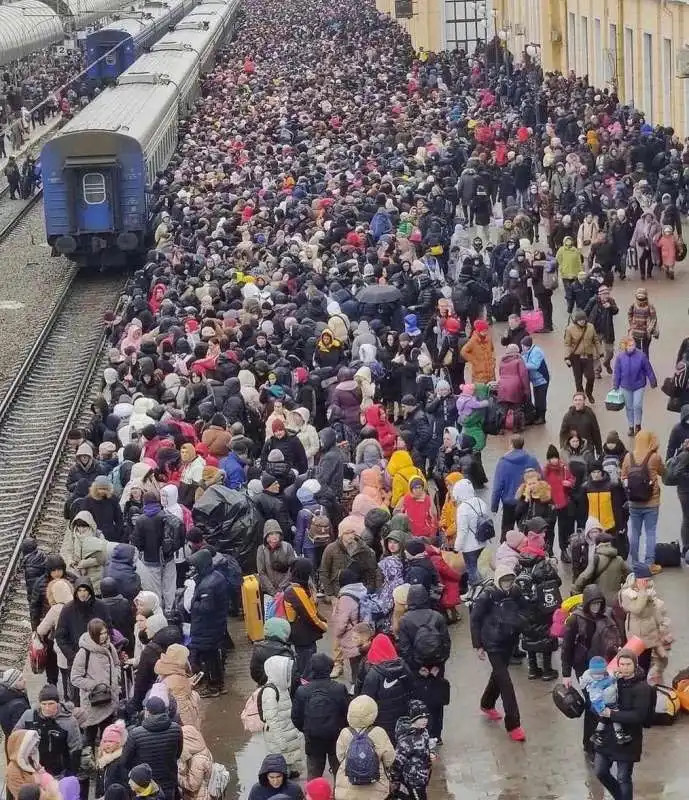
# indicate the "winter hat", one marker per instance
pixel 596 466
pixel 155 705
pixel 271 526
pixel 408 400
pixel 318 789
pixel 536 524
pixel 10 677
pixel 278 425
pixel 481 326
pixel 268 480
pixel 141 775
pixel 515 538
pixel 115 733
pixel 276 457
pixel 102 482
pixel 417 710
pixel 642 571
pixel 512 349
pixel 49 693
pixel 598 664
pixel 311 485
pixel 552 452
pixel 415 547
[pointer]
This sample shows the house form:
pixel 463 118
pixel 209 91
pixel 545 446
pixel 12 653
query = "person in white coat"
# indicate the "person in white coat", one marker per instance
pixel 306 433
pixel 276 705
pixel 469 508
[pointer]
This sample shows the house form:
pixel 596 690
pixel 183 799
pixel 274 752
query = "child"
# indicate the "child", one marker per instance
pixel 448 516
pixel 667 244
pixel 142 784
pixel 419 508
pixel 109 765
pixel 601 688
pixel 413 759
pixel 557 475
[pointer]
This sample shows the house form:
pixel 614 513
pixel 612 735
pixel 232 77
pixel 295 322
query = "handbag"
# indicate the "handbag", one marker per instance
pixel 101 694
pixel 669 387
pixel 614 400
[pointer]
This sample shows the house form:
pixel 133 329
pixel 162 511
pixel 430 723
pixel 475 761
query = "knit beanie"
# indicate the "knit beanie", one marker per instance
pixel 114 734
pixel 48 693
pixel 141 775
pixel 318 789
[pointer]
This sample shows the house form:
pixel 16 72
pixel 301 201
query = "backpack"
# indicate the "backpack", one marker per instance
pixel 494 419
pixel 428 645
pixel 362 766
pixel 607 637
pixel 514 420
pixel 664 706
pixel 275 607
pixel 639 483
pixel 218 781
pixel 173 536
pixel 548 596
pixel 321 720
pixel 461 299
pixel 250 716
pixel 579 553
pixel 484 527
pixel 320 530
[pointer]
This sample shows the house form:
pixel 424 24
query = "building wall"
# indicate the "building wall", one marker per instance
pixel 583 35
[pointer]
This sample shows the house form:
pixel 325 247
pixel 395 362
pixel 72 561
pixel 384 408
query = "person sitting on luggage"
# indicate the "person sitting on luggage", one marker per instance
pixel 601 688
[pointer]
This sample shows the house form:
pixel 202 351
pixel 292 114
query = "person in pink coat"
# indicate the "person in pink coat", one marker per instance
pixel 346 617
pixel 513 378
pixel 507 554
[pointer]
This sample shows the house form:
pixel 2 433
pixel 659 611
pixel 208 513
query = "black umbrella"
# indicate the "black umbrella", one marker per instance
pixel 375 295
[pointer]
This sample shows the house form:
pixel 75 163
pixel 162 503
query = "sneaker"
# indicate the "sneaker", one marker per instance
pixel 209 692
pixel 550 675
pixel 337 670
pixel 517 734
pixel 535 673
pixel 492 714
pixel 655 569
pixel 637 428
pixel 591 399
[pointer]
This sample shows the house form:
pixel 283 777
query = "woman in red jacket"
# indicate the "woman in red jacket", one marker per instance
pixel 449 578
pixel 556 473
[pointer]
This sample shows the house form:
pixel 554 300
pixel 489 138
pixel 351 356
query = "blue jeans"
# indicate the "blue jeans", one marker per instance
pixel 621 787
pixel 646 518
pixel 633 405
pixel 471 564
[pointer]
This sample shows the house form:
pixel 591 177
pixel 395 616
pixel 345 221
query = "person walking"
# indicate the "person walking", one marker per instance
pixel 633 703
pixel 641 469
pixel 496 623
pixel 582 351
pixel 632 372
pixel 601 311
pixel 642 320
pixel 508 477
pixel 539 377
pixel 469 509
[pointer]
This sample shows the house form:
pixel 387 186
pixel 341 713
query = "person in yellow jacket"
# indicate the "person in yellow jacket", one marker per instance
pixel 401 470
pixel 448 515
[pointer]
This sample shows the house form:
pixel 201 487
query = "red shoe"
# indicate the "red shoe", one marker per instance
pixel 517 734
pixel 492 713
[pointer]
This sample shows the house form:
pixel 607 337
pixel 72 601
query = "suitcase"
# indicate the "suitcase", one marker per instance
pixel 253 608
pixel 668 554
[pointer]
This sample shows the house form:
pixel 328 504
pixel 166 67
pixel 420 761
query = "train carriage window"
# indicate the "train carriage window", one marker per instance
pixel 111 59
pixel 94 188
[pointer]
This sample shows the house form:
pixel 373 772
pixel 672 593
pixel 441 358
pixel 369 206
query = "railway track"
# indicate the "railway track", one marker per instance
pixel 40 406
pixel 12 212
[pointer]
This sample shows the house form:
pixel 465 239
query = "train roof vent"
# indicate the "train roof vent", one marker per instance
pixel 193 25
pixel 171 46
pixel 161 78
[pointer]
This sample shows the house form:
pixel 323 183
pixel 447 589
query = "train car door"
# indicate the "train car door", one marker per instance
pixel 93 188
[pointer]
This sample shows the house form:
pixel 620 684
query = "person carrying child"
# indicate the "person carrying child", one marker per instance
pixel 601 688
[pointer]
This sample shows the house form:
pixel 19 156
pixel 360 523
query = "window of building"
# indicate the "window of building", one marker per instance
pixel 598 76
pixel 629 65
pixel 584 46
pixel 94 188
pixel 648 77
pixel 667 82
pixel 611 65
pixel 465 24
pixel 571 41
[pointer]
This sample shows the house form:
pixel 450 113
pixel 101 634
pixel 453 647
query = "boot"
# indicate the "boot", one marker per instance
pixel 549 674
pixel 535 672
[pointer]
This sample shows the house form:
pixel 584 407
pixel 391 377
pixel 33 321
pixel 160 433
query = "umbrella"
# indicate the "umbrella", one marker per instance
pixel 374 295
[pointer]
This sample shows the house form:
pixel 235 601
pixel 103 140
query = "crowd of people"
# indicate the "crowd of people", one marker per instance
pixel 300 386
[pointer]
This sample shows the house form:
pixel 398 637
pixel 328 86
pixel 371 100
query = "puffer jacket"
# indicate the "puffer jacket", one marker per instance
pixel 607 569
pixel 647 615
pixel 347 395
pixel 388 682
pixel 273 566
pixel 280 734
pixel 480 354
pixel 345 617
pixel 157 742
pixel 59 594
pixel 469 507
pixel 362 715
pixel 96 663
pixel 173 668
pixel 71 549
pixel 121 568
pixel 513 380
pixel 194 765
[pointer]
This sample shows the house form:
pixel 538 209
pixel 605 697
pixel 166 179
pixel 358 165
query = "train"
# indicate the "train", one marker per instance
pixel 115 47
pixel 97 169
pixel 30 25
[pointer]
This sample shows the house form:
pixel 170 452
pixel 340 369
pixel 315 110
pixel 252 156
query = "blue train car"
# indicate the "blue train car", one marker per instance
pixel 97 169
pixel 115 47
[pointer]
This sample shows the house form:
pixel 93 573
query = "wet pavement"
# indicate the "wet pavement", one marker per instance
pixel 478 761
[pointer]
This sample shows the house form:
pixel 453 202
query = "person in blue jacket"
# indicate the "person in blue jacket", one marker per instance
pixel 632 372
pixel 539 375
pixel 509 473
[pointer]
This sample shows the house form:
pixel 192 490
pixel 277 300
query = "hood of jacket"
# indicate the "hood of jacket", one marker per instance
pixel 83 583
pixel 124 554
pixel 148 603
pixel 168 635
pixel 320 667
pixel 174 661
pixel 362 712
pixel 417 597
pixel 275 762
pixel 194 742
pixel 463 490
pixel 381 649
pixel 87 518
pixel 328 438
pixel 59 591
pixel 593 593
pixel 22 748
pixel 399 460
pixel 277 628
pixel 90 646
pixel 278 670
pixel 520 458
pixel 592 524
pixel 356 590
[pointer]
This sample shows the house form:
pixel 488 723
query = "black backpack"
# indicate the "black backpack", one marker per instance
pixel 493 419
pixel 429 649
pixel 579 553
pixel 461 299
pixel 639 483
pixel 548 596
pixel 321 720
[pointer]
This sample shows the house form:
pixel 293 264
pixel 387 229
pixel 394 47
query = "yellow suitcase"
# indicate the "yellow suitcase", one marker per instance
pixel 253 608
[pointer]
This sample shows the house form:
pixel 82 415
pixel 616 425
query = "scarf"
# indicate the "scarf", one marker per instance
pixel 151 509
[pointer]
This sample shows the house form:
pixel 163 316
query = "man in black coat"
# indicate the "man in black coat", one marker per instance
pixel 121 612
pixel 330 469
pixel 417 424
pixel 75 617
pixel 582 419
pixel 319 710
pixel 634 696
pixel 157 742
pixel 210 605
pixel 234 408
pixel 271 504
pixel 419 569
pixel 420 618
pixel 496 622
pixel 145 677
